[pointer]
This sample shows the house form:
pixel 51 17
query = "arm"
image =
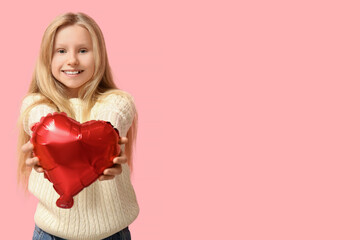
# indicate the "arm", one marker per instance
pixel 33 116
pixel 120 112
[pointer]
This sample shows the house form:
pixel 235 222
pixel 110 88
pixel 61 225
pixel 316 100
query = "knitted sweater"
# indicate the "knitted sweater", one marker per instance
pixel 104 207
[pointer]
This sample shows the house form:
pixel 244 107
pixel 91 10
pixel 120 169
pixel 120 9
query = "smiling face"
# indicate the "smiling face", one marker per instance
pixel 73 62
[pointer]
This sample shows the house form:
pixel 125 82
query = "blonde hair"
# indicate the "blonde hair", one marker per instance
pixel 53 92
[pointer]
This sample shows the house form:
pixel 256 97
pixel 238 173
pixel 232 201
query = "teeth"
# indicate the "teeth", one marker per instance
pixel 71 72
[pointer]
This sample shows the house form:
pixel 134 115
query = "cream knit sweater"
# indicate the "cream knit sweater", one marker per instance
pixel 104 207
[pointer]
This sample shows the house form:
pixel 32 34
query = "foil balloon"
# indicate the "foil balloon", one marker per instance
pixel 73 155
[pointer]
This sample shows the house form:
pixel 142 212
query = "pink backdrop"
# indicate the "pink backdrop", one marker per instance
pixel 249 117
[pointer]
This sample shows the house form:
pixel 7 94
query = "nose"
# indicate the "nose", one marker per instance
pixel 72 60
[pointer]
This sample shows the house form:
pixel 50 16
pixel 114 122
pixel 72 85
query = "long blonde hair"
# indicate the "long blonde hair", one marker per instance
pixel 53 93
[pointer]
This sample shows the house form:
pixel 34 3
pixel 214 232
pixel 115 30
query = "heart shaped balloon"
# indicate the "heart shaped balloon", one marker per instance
pixel 73 155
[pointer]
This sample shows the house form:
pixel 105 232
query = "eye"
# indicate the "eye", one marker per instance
pixel 83 50
pixel 61 50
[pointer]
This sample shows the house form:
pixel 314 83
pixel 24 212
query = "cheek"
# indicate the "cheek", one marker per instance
pixel 54 66
pixel 93 67
pixel 91 62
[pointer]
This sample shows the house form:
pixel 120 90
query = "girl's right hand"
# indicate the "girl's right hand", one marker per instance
pixel 31 161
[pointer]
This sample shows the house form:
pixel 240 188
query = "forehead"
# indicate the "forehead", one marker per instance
pixel 72 35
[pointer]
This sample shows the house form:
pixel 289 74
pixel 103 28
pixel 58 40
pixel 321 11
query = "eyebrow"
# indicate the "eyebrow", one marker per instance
pixel 78 45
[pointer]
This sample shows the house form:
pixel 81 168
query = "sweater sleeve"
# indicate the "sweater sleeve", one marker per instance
pixel 35 114
pixel 119 111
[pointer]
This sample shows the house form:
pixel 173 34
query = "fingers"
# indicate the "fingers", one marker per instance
pixel 115 170
pixel 27 147
pixel 110 173
pixel 31 161
pixel 38 169
pixel 34 162
pixel 123 140
pixel 105 177
pixel 121 159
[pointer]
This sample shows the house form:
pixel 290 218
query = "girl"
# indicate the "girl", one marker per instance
pixel 73 75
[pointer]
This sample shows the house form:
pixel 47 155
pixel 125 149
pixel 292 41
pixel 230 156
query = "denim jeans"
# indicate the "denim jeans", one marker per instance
pixel 40 234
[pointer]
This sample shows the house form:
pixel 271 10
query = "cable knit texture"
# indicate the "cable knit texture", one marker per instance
pixel 104 207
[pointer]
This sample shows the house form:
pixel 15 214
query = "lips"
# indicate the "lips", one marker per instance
pixel 79 71
pixel 72 72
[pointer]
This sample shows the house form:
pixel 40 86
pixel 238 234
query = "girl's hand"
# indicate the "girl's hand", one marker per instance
pixel 110 173
pixel 31 161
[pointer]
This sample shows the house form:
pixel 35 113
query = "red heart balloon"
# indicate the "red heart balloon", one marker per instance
pixel 73 155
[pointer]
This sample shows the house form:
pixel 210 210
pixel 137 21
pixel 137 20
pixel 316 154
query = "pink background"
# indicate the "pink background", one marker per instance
pixel 249 117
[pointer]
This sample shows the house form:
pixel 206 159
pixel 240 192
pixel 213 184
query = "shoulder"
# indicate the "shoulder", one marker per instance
pixel 34 106
pixel 29 99
pixel 118 99
pixel 117 95
pixel 35 100
pixel 32 97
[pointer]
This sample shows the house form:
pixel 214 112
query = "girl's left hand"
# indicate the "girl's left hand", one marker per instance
pixel 110 173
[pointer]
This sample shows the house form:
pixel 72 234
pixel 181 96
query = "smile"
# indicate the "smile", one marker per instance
pixel 76 72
